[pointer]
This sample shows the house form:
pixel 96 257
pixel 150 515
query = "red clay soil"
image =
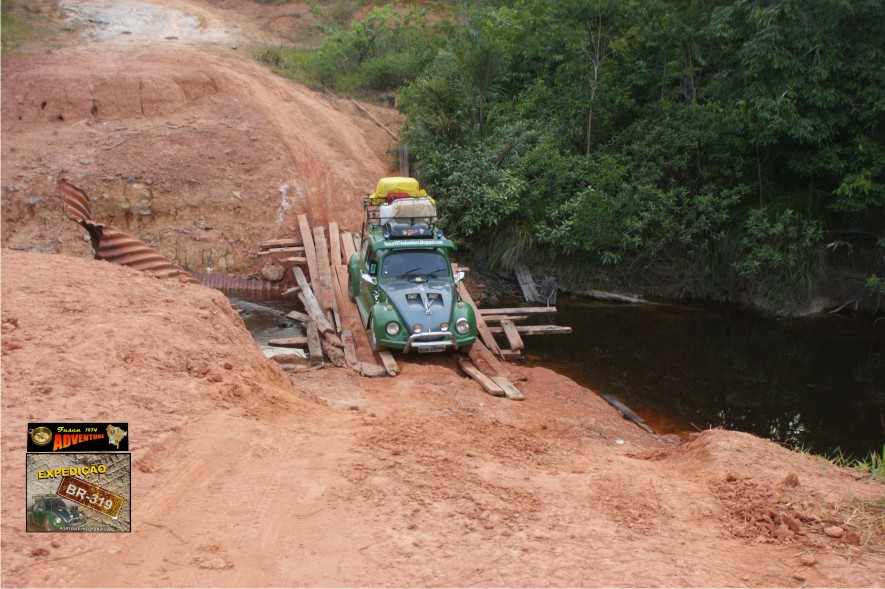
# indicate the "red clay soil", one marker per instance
pixel 244 475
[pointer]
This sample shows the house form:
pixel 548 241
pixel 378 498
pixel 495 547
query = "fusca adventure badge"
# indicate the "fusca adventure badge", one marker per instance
pixel 78 437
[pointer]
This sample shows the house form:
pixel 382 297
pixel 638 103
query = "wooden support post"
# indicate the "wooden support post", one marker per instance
pixel 311 305
pixel 512 335
pixel 527 284
pixel 314 347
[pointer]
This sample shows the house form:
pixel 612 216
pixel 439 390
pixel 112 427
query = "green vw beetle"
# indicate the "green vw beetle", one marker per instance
pixel 402 278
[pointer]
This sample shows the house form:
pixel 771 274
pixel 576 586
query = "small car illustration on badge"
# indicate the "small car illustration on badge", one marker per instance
pixel 52 513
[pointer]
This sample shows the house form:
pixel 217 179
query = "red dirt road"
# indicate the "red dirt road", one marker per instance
pixel 245 476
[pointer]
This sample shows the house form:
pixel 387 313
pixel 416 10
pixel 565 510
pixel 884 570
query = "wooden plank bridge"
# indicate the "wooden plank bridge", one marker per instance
pixel 334 330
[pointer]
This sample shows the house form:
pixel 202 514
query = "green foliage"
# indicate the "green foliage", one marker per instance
pixel 12 28
pixel 384 50
pixel 781 255
pixel 721 139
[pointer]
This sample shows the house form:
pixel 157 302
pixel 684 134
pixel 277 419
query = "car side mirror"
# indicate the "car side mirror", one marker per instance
pixel 459 276
pixel 369 278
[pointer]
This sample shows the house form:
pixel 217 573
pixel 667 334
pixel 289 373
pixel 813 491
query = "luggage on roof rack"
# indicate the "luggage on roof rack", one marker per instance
pixel 394 188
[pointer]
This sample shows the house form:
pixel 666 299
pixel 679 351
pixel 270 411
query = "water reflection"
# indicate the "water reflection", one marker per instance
pixel 817 383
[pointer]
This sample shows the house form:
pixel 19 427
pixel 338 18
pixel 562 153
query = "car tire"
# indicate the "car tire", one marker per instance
pixel 373 343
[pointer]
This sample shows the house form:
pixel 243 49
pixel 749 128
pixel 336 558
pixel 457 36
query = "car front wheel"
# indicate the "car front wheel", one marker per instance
pixel 373 343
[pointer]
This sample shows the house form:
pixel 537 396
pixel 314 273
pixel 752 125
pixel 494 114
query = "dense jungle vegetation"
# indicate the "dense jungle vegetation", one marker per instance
pixel 732 149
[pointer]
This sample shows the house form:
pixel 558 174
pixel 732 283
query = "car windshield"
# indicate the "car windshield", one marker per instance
pixel 410 264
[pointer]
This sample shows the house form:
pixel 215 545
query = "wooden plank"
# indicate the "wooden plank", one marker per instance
pixel 334 244
pixel 349 348
pixel 285 242
pixel 291 290
pixel 518 311
pixel 486 361
pixel 309 249
pixel 282 250
pixel 536 329
pixel 484 334
pixel 288 342
pixel 613 296
pixel 298 316
pixel 314 346
pixel 515 342
pixel 511 355
pixel 510 391
pixel 487 383
pixel 298 260
pixel 388 362
pixel 499 318
pixel 351 319
pixel 347 246
pixel 311 305
pixel 324 287
pixel 526 283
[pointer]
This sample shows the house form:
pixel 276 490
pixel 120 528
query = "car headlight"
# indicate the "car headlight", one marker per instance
pixel 417 328
pixel 392 328
pixel 462 326
pixel 443 326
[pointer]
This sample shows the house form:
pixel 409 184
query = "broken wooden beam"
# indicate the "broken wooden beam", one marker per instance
pixel 487 383
pixel 298 316
pixel 514 342
pixel 314 346
pixel 311 305
pixel 499 318
pixel 349 348
pixel 389 363
pixel 510 391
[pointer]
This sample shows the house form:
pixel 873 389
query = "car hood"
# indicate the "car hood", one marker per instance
pixel 428 302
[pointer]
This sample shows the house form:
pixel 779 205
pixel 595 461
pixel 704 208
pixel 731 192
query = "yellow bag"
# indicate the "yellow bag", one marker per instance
pixel 396 185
